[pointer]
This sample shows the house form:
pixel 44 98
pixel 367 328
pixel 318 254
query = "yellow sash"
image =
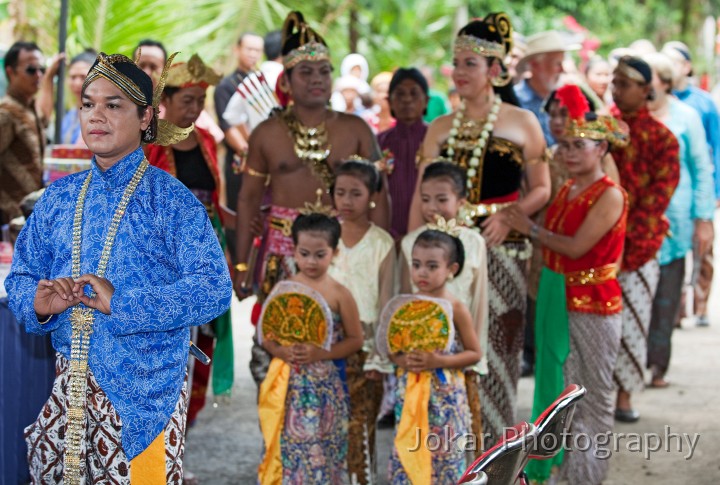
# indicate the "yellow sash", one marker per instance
pixel 271 409
pixel 148 468
pixel 418 462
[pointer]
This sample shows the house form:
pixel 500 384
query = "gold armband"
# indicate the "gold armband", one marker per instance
pixel 241 267
pixel 544 158
pixel 254 173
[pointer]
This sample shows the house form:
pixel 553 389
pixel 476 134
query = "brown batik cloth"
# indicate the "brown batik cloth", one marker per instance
pixel 472 387
pixel 103 458
pixel 365 399
pixel 508 297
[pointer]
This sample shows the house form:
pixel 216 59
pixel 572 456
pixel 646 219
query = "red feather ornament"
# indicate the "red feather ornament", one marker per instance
pixel 574 100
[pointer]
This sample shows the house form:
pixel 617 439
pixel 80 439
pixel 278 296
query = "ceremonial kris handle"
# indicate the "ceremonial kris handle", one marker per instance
pixel 199 354
pixel 252 261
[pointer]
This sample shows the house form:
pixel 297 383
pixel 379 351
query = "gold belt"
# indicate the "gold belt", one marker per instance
pixel 282 225
pixel 483 210
pixel 591 276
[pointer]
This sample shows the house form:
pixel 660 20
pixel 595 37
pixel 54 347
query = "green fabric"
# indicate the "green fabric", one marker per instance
pixel 223 355
pixel 438 105
pixel 552 342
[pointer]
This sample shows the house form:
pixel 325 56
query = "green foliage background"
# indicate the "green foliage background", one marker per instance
pixel 389 32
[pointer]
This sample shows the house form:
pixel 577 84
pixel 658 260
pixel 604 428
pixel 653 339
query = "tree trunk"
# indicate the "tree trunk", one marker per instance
pixel 353 34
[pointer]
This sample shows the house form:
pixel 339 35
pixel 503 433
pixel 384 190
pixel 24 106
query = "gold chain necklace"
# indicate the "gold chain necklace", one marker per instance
pixel 82 320
pixel 311 146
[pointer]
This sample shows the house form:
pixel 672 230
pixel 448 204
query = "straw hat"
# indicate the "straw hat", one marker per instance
pixel 544 42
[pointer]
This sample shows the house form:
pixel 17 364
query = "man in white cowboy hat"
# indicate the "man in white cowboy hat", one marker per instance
pixel 544 59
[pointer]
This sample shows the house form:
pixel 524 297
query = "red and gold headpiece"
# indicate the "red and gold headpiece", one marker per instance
pixel 583 123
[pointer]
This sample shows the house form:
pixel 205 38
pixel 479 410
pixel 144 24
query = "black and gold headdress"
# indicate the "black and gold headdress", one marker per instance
pixel 137 85
pixel 489 37
pixel 301 42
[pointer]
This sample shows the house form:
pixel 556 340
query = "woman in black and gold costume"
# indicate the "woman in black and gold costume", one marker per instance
pixel 498 144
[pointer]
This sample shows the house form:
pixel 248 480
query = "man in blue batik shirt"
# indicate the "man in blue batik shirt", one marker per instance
pixel 116 263
pixel 703 103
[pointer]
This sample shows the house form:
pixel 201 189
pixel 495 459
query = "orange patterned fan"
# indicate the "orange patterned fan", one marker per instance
pixel 295 313
pixel 413 322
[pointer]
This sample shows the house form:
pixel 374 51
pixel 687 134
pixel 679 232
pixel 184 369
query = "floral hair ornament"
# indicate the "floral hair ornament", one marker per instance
pixel 583 123
pixel 449 227
pixel 312 46
pixel 318 207
pixel 194 72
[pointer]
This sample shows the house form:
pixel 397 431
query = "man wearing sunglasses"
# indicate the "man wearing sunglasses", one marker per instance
pixel 22 140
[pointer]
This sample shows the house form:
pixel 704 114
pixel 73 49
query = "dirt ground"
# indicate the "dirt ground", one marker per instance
pixel 225 444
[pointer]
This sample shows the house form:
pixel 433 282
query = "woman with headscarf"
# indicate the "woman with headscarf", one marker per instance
pixel 497 144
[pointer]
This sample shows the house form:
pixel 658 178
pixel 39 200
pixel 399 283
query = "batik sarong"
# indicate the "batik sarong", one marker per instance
pixel 638 291
pixel 103 460
pixel 365 398
pixel 508 293
pixel 594 344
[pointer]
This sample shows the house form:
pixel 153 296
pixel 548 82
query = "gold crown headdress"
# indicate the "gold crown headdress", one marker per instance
pixel 449 227
pixel 312 46
pixel 194 72
pixel 318 207
pixel 160 132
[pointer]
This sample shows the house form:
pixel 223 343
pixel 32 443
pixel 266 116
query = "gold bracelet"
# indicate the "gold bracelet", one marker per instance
pixel 241 267
pixel 46 320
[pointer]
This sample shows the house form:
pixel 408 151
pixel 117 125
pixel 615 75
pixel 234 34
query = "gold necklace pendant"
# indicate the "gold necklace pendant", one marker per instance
pixel 311 146
pixel 82 319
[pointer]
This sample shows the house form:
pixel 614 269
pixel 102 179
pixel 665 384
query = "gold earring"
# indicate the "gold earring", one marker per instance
pixel 501 80
pixel 372 204
pixel 451 277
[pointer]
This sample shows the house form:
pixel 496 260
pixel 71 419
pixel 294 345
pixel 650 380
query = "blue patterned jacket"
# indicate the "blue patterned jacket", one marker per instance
pixel 168 271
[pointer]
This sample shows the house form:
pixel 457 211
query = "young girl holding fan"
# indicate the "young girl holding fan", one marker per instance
pixel 309 325
pixel 443 193
pixel 365 264
pixel 417 332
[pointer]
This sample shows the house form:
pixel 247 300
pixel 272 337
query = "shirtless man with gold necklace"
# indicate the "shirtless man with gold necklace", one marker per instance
pixel 294 154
